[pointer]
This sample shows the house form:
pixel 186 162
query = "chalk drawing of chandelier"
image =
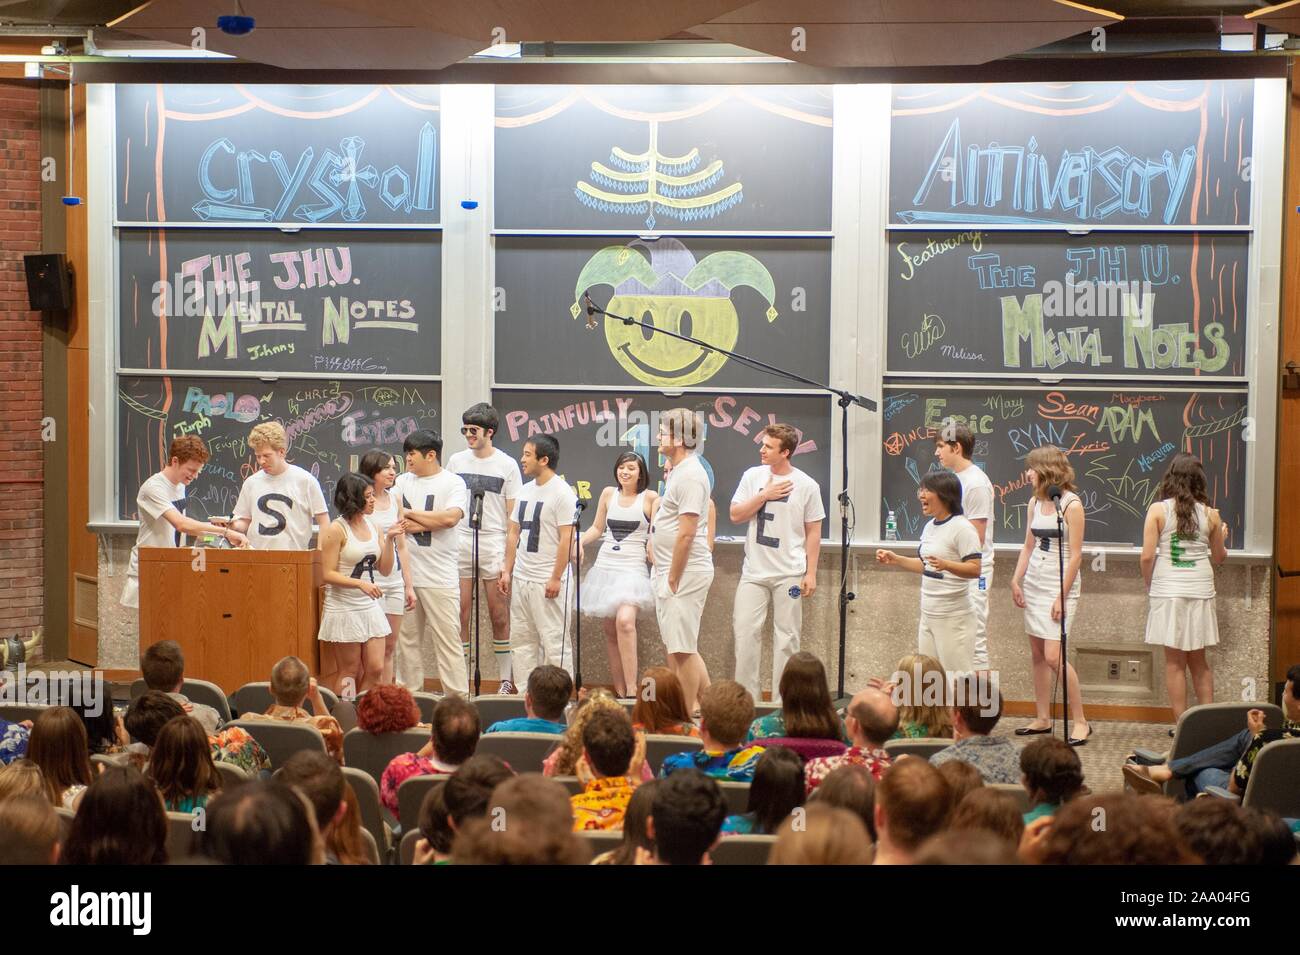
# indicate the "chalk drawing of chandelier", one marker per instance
pixel 647 182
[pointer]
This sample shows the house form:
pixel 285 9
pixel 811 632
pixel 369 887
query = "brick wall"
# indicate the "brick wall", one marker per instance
pixel 21 472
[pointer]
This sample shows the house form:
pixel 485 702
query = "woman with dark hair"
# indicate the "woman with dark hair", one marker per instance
pixel 120 822
pixel 436 832
pixel 618 584
pixel 947 560
pixel 181 766
pixel 777 790
pixel 58 747
pixel 806 709
pixel 660 705
pixel 1036 585
pixel 399 593
pixel 355 554
pixel 105 734
pixel 635 830
pixel 262 823
pixel 1191 538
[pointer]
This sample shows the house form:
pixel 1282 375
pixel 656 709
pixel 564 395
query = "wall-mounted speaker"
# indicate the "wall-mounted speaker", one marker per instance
pixel 48 287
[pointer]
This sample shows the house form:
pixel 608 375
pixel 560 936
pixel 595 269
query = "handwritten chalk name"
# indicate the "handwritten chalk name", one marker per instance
pixel 1147 461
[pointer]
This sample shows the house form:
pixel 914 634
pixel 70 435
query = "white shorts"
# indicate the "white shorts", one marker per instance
pixel 1183 623
pixel 394 599
pixel 680 613
pixel 491 557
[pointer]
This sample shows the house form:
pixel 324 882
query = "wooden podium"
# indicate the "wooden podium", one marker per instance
pixel 235 617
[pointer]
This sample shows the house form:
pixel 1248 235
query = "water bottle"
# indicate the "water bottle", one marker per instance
pixel 891 527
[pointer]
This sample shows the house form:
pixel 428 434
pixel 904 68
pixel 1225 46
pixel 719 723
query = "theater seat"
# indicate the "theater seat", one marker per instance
pixel 496 707
pixel 659 747
pixel 523 751
pixel 371 752
pixel 372 811
pixel 743 850
pixel 281 739
pixel 925 747
pixel 406 851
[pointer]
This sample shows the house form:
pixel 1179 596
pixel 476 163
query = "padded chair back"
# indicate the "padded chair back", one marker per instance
pixel 65 822
pixel 736 796
pixel 111 759
pixel 1016 791
pixel 372 850
pixel 426 702
pixel 346 714
pixel 372 752
pixel 1274 784
pixel 138 688
pixel 17 712
pixel 572 784
pixel 209 694
pixel 410 797
pixel 601 840
pixel 180 835
pixel 406 851
pixel 372 811
pixel 743 850
pixel 765 709
pixel 231 775
pixel 281 739
pixel 925 747
pixel 806 748
pixel 1209 723
pixel 497 707
pixel 523 751
pixel 659 746
pixel 257 698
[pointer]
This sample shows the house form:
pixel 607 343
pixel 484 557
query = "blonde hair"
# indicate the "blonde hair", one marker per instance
pixel 828 835
pixel 570 750
pixel 684 426
pixel 935 718
pixel 268 434
pixel 22 777
pixel 1053 467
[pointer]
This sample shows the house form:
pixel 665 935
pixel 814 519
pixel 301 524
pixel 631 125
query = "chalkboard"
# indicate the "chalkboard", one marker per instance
pixel 325 301
pixel 330 424
pixel 593 430
pixel 1160 153
pixel 672 158
pixel 1143 304
pixel 768 299
pixel 1119 443
pixel 307 154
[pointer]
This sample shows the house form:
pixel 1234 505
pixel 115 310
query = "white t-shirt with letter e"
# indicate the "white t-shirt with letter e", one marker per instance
pixel 774 539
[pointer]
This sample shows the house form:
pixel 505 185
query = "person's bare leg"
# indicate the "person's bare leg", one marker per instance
pixel 1176 680
pixel 616 673
pixel 390 646
pixel 1078 723
pixel 625 624
pixel 694 676
pixel 372 664
pixel 1042 684
pixel 348 659
pixel 1198 662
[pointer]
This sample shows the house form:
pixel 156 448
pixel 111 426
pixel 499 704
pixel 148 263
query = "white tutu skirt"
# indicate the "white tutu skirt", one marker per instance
pixel 353 626
pixel 604 591
pixel 1183 623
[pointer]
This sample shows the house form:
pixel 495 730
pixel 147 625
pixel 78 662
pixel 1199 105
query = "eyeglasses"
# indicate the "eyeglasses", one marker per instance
pixel 468 432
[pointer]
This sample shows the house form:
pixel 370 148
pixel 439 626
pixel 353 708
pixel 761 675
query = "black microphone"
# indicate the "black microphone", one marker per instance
pixel 1054 494
pixel 476 508
pixel 580 507
pixel 591 311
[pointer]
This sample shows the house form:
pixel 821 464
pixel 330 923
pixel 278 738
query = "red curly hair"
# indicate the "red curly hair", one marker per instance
pixel 387 708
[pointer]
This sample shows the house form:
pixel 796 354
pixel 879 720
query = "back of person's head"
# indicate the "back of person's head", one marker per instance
pixel 163 666
pixel 29 830
pixel 261 823
pixel 1052 771
pixel 290 681
pixel 387 708
pixel 22 777
pixel 826 835
pixel 120 821
pixel 1116 829
pixel 549 688
pixel 180 762
pixel 962 778
pixel 875 716
pixel 635 816
pixel 148 714
pixel 58 746
pixel 529 822
pixel 778 788
pixel 912 803
pixel 850 787
pixel 100 722
pixel 454 730
pixel 686 816
pixel 806 699
pixel 978 701
pixel 660 703
pixel 469 787
pixel 434 825
pixel 989 810
pixel 921 695
pixel 726 710
pixel 318 777
pixel 1277 843
pixel 966 847
pixel 1218 831
pixel 609 742
pixel 344 839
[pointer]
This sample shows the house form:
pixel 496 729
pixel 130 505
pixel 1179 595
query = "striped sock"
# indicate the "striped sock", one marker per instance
pixel 504 669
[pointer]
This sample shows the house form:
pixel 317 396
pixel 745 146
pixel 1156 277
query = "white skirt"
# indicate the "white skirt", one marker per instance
pixel 604 591
pixel 1182 623
pixel 1038 608
pixel 353 626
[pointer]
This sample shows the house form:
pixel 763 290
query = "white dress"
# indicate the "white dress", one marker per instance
pixel 394 590
pixel 620 574
pixel 1042 583
pixel 349 615
pixel 1181 612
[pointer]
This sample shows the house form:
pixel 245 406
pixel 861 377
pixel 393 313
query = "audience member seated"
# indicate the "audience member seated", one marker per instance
pixel 469 788
pixel 320 780
pixel 1276 840
pixel 387 708
pixel 660 706
pixel 961 778
pixel 912 804
pixel 1219 832
pixel 997 759
pixel 1226 764
pixel 265 822
pixel 436 834
pixel 453 737
pixel 548 692
pixel 567 759
pixel 635 836
pixel 13 740
pixel 149 713
pixel 917 689
pixel 181 766
pixel 22 777
pixel 852 788
pixel 686 814
pixel 777 790
pixel 871 719
pixel 292 685
pixel 990 810
pixel 105 734
pixel 1139 830
pixel 120 822
pixel 976 847
pixel 608 747
pixel 58 747
pixel 1052 775
pixel 163 668
pixel 806 709
pixel 29 831
pixel 538 827
pixel 726 711
pixel 827 836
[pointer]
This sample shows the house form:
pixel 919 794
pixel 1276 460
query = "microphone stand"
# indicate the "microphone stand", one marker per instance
pixel 577 596
pixel 475 523
pixel 845 399
pixel 1065 659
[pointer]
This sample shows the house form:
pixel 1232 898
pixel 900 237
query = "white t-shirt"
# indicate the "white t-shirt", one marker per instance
pixel 540 511
pixel 687 493
pixel 499 478
pixel 944 594
pixel 280 508
pixel 977 504
pixel 432 555
pixel 157 496
pixel 774 540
